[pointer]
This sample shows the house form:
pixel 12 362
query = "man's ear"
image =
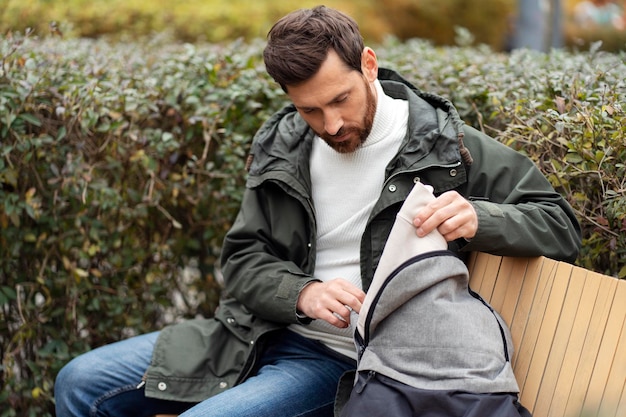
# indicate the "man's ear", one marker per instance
pixel 369 64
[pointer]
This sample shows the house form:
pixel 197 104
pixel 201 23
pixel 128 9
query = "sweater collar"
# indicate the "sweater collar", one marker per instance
pixel 389 115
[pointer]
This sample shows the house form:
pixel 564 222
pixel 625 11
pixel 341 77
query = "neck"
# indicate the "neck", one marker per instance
pixel 389 115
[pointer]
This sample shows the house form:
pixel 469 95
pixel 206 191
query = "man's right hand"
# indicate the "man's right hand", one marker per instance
pixel 331 301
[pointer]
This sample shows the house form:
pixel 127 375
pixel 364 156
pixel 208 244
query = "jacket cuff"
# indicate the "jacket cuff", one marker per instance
pixel 303 318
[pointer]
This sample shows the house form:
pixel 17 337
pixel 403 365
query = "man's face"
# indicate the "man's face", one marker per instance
pixel 338 103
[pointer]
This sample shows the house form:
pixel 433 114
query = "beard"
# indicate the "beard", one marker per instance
pixel 358 135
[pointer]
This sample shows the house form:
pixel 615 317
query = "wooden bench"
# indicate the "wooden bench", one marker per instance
pixel 569 331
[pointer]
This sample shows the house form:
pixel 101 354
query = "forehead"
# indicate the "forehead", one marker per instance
pixel 332 79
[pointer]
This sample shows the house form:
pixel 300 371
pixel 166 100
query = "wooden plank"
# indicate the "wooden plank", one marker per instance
pixel 487 283
pixel 621 408
pixel 563 330
pixel 545 337
pixel 616 383
pixel 507 286
pixel 574 349
pixel 477 267
pixel 591 346
pixel 471 263
pixel 519 321
pixel 536 300
pixel 510 293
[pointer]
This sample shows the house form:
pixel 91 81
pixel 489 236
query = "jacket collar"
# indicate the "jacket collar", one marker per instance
pixel 281 148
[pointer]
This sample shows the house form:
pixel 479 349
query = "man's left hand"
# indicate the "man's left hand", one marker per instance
pixel 451 214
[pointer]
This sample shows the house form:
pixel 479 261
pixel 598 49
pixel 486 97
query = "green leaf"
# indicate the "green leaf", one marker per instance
pixel 7 294
pixel 30 118
pixel 61 133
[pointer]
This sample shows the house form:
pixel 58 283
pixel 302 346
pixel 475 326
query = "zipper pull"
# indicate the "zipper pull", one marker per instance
pixel 361 384
pixel 143 381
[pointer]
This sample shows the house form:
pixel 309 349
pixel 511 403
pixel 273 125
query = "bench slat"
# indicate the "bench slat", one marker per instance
pixel 591 347
pixel 612 360
pixel 562 337
pixel 569 330
pixel 546 318
pixel 519 322
pixel 537 299
pixel 574 348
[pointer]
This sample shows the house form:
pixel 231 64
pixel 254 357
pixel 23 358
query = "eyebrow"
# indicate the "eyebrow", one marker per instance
pixel 335 99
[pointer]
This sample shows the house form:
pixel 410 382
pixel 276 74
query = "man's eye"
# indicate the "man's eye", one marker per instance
pixel 344 98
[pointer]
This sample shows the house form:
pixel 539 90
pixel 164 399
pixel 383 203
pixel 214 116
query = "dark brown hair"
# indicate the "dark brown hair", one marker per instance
pixel 299 42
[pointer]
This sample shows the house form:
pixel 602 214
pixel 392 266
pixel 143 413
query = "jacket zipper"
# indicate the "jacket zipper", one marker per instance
pixel 248 369
pixel 413 171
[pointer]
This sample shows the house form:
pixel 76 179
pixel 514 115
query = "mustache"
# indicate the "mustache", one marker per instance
pixel 339 133
pixel 342 131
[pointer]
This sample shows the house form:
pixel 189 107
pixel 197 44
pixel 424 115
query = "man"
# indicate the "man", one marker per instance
pixel 327 177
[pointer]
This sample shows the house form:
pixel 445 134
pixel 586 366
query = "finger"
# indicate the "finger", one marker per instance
pixel 344 299
pixel 435 220
pixel 452 224
pixel 338 317
pixel 352 300
pixel 462 224
pixel 424 217
pixel 455 234
pixel 447 213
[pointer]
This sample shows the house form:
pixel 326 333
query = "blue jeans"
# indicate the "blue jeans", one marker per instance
pixel 296 377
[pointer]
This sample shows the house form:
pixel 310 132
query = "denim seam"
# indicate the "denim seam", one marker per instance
pixel 94 408
pixel 313 410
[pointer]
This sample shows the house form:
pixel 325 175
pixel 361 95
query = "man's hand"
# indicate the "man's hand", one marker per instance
pixel 331 301
pixel 451 214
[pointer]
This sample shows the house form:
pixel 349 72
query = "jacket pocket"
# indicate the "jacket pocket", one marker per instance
pixel 199 358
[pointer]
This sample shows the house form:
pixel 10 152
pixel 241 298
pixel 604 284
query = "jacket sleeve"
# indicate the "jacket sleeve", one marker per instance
pixel 519 212
pixel 266 252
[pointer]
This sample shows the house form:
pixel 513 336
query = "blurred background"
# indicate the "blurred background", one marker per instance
pixel 501 24
pixel 125 126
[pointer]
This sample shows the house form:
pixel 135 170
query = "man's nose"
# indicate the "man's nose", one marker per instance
pixel 332 122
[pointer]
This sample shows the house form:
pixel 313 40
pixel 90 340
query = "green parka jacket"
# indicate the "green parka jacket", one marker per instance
pixel 268 256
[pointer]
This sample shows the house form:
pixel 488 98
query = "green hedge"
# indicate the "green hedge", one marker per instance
pixel 218 20
pixel 122 166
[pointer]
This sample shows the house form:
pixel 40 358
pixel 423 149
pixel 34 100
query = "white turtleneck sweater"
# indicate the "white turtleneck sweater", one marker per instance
pixel 345 189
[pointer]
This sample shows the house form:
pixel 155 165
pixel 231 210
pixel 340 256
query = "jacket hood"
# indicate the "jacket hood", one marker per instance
pixel 449 124
pixel 282 145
